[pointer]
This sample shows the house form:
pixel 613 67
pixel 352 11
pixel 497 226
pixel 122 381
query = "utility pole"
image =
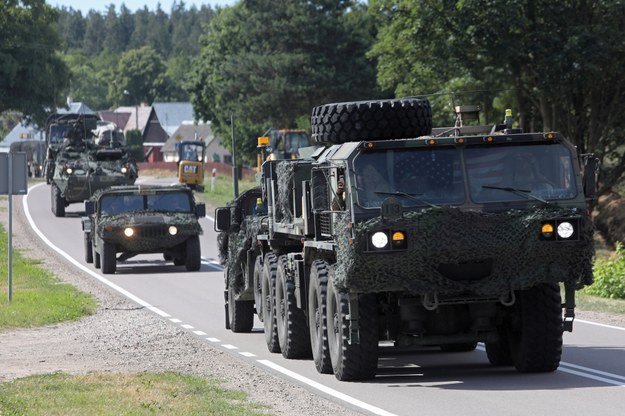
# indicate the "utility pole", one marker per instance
pixel 235 174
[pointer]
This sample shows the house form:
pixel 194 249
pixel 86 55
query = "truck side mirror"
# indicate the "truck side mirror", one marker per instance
pixel 222 219
pixel 89 207
pixel 591 171
pixel 200 210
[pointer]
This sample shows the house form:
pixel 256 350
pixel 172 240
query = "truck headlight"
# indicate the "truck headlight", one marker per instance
pixel 69 170
pixel 173 230
pixel 129 232
pixel 124 169
pixel 565 229
pixel 379 239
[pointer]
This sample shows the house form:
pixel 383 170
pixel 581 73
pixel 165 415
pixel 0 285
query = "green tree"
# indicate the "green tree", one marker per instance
pixel 95 33
pixel 557 63
pixel 268 65
pixel 33 78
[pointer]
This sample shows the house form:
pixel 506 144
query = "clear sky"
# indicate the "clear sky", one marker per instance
pixel 101 5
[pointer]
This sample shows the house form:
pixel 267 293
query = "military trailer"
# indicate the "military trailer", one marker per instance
pixel 83 157
pixel 415 236
pixel 134 220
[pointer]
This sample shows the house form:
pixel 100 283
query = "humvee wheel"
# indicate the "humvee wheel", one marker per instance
pixel 240 313
pixel 352 361
pixel 258 296
pixel 499 353
pixel 371 120
pixel 460 347
pixel 96 258
pixel 317 304
pixel 535 333
pixel 193 257
pixel 293 336
pixel 57 202
pixel 268 287
pixel 109 260
pixel 88 248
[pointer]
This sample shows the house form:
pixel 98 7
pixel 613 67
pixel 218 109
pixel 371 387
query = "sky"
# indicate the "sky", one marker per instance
pixel 101 5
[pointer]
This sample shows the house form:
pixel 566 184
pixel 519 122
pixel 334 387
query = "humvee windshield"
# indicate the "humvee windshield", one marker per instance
pixel 437 176
pixel 115 204
pixel 58 132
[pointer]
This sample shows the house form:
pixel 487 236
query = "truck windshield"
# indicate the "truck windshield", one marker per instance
pixel 509 173
pixel 169 202
pixel 415 176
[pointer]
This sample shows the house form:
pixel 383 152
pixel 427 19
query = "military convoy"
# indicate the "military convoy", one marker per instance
pixel 134 220
pixel 83 156
pixel 399 232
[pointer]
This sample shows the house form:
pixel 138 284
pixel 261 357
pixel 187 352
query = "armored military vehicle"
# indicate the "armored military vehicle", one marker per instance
pixel 134 220
pixel 415 236
pixel 90 157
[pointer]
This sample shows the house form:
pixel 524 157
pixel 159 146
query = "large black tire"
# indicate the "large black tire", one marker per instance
pixel 88 248
pixel 268 285
pixel 96 258
pixel 499 353
pixel 240 313
pixel 193 255
pixel 352 361
pixel 317 305
pixel 109 259
pixel 258 295
pixel 293 336
pixel 371 120
pixel 57 202
pixel 536 330
pixel 459 347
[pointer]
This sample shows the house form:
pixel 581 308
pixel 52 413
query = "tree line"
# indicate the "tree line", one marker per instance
pixel 556 64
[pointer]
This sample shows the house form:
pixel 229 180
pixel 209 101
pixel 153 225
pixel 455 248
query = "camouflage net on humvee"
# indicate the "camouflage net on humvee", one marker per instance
pixel 285 173
pixel 236 245
pixel 450 236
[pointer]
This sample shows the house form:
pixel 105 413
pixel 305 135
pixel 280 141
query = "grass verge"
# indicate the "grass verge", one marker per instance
pixel 122 394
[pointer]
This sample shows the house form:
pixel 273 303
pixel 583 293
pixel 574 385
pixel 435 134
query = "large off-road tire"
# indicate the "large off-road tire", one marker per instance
pixel 240 312
pixel 88 248
pixel 268 288
pixel 258 295
pixel 317 306
pixel 352 361
pixel 109 258
pixel 57 202
pixel 293 336
pixel 193 255
pixel 371 120
pixel 459 347
pixel 536 329
pixel 499 353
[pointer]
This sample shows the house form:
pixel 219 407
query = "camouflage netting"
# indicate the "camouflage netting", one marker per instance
pixel 285 172
pixel 238 244
pixel 187 225
pixel 450 236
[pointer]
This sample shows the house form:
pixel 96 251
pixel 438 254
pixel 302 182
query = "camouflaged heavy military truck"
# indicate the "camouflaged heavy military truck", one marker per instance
pixel 85 160
pixel 140 219
pixel 416 236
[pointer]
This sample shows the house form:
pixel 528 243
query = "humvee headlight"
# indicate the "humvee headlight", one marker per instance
pixel 129 232
pixel 379 239
pixel 124 169
pixel 547 230
pixel 399 239
pixel 69 170
pixel 173 230
pixel 565 229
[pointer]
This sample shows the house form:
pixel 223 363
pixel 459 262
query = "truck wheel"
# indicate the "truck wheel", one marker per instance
pixel 240 312
pixel 371 120
pixel 536 330
pixel 193 256
pixel 109 260
pixel 88 249
pixel 96 258
pixel 293 336
pixel 352 361
pixel 460 347
pixel 258 296
pixel 317 297
pixel 57 202
pixel 268 285
pixel 499 353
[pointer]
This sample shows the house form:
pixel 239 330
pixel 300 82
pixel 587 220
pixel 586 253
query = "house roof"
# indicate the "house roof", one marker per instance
pixel 22 132
pixel 189 131
pixel 119 118
pixel 172 115
pixel 143 117
pixel 76 108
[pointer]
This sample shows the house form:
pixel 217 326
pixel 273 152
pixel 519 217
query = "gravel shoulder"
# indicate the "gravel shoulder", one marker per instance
pixel 122 337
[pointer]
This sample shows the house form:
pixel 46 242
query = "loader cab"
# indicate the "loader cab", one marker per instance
pixel 191 156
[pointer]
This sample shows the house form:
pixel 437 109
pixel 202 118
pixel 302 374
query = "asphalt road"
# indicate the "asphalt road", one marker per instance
pixel 590 380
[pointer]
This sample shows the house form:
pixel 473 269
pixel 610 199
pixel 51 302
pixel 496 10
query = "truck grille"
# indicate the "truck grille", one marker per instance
pixel 153 231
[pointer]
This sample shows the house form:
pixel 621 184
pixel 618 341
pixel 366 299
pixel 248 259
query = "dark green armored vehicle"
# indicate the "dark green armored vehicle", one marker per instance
pixel 398 236
pixel 132 220
pixel 82 163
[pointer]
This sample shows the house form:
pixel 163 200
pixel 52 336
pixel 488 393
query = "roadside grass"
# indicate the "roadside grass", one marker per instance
pixel 587 302
pixel 122 394
pixel 38 298
pixel 223 192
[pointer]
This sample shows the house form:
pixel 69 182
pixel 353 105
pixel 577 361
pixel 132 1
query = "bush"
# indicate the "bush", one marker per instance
pixel 610 276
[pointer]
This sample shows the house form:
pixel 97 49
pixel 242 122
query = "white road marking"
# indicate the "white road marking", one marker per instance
pixel 229 347
pixel 187 326
pixel 175 320
pixel 601 325
pixel 213 339
pixel 247 354
pixel 199 332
